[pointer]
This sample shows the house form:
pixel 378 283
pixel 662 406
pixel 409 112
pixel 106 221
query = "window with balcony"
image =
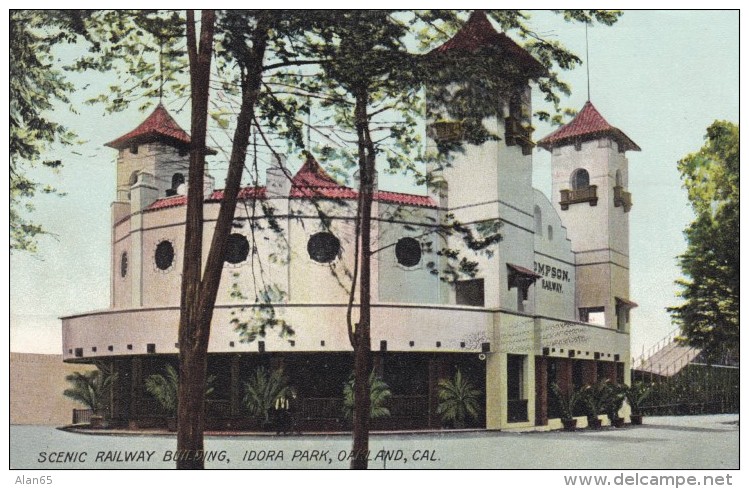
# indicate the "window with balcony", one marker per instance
pixel 581 191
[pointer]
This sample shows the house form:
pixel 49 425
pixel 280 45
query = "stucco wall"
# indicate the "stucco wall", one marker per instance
pixel 36 385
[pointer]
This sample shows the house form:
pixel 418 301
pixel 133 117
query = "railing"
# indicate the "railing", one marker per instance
pixel 332 407
pixel 82 415
pixel 518 134
pixel 408 406
pixel 587 194
pixel 446 131
pixel 622 198
pixel 218 408
pixel 321 408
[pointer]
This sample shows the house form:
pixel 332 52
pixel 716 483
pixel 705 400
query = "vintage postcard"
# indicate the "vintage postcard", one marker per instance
pixel 234 221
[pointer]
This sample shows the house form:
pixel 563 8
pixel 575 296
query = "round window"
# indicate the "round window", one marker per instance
pixel 123 264
pixel 408 252
pixel 323 247
pixel 237 248
pixel 164 255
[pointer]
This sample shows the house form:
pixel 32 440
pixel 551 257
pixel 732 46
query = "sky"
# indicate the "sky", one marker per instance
pixel 660 76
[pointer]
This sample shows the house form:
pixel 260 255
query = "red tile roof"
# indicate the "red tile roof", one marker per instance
pixel 479 33
pixel 245 193
pixel 588 124
pixel 159 126
pixel 311 181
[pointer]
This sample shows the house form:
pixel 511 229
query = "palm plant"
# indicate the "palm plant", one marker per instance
pixel 262 390
pixel 594 399
pixel 379 393
pixel 164 387
pixel 614 400
pixel 566 402
pixel 459 400
pixel 91 388
pixel 636 395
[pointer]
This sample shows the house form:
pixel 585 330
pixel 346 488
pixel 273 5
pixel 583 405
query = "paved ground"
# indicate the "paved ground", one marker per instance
pixel 689 442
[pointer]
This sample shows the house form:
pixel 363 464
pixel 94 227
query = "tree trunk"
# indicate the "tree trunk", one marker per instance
pixel 199 295
pixel 362 347
pixel 193 334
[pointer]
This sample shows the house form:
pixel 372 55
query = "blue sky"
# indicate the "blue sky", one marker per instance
pixel 660 76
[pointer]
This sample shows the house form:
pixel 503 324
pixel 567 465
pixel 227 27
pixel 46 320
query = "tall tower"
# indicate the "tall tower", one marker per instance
pixel 589 192
pixel 152 163
pixel 480 100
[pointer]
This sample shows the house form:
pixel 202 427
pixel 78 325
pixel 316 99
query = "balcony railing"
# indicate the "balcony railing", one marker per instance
pixel 446 131
pixel 622 198
pixel 588 194
pixel 518 134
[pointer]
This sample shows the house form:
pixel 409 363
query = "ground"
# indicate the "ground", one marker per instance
pixel 688 442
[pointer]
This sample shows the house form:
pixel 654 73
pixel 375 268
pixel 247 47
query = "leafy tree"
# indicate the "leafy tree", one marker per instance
pixel 91 388
pixel 263 389
pixel 459 400
pixel 35 85
pixel 709 316
pixel 379 393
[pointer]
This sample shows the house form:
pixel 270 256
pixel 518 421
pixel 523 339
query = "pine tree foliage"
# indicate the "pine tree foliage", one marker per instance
pixel 709 315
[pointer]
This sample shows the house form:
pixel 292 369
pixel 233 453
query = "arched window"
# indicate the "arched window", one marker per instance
pixel 177 180
pixel 619 178
pixel 550 232
pixel 580 179
pixel 133 178
pixel 537 218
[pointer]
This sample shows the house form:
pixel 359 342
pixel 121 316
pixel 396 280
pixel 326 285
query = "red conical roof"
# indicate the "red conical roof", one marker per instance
pixel 478 32
pixel 159 126
pixel 588 124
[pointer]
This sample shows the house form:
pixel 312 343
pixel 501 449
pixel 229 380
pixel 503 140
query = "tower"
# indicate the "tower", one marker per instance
pixel 589 192
pixel 152 162
pixel 480 100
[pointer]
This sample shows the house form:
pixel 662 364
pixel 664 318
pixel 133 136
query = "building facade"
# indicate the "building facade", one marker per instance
pixel 548 304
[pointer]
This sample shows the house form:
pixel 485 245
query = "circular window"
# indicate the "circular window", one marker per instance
pixel 408 252
pixel 123 264
pixel 164 255
pixel 323 247
pixel 237 248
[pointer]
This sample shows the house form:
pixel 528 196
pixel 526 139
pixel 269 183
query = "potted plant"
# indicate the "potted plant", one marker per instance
pixel 92 390
pixel 614 400
pixel 594 399
pixel 636 395
pixel 459 401
pixel 567 403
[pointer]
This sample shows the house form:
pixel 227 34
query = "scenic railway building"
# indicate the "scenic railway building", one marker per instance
pixel 550 305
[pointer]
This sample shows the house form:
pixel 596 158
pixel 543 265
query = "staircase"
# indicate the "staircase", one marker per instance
pixel 666 358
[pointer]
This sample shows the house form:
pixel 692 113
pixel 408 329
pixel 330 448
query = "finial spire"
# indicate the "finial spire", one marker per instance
pixel 587 58
pixel 161 69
